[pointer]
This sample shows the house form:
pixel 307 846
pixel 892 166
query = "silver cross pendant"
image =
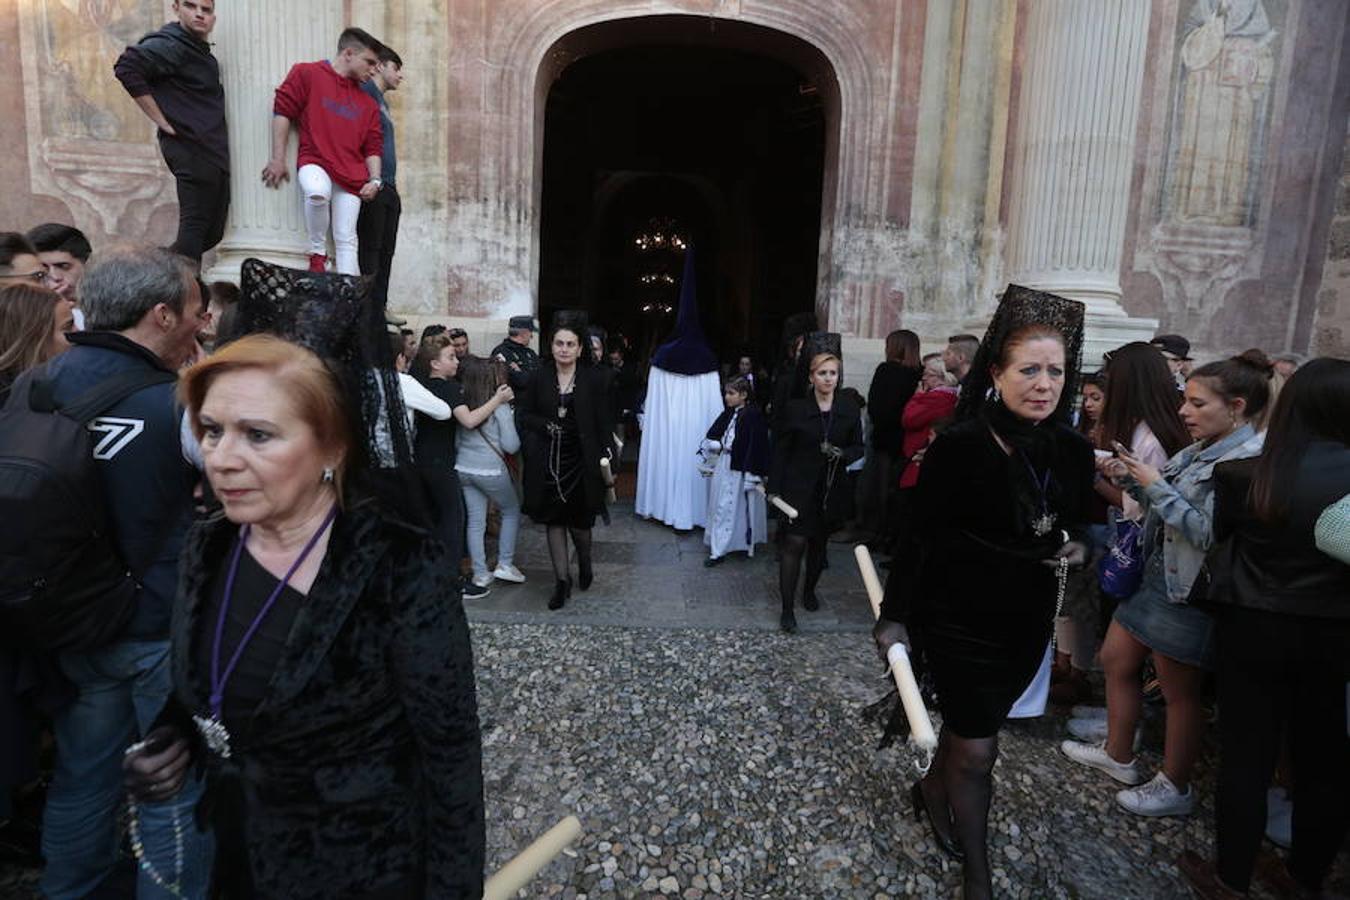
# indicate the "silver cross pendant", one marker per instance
pixel 214 733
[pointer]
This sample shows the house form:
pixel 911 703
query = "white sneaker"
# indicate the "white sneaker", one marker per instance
pixel 1095 756
pixel 482 581
pixel 1279 818
pixel 1157 798
pixel 509 573
pixel 1088 712
pixel 1094 731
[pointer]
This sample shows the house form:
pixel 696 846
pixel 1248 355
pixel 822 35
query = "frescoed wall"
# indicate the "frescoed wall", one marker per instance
pixel 941 115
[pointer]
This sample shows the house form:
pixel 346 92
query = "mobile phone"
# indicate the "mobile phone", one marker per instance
pixel 1103 454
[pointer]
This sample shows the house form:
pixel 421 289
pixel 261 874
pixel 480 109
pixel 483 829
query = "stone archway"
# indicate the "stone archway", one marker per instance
pixel 495 173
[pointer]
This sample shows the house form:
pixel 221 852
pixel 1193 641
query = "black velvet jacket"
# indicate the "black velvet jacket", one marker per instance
pixel 750 449
pixel 975 546
pixel 538 406
pixel 361 767
pixel 892 386
pixel 798 463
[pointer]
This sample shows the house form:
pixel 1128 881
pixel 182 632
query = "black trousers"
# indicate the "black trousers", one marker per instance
pixel 446 495
pixel 1278 673
pixel 203 198
pixel 377 236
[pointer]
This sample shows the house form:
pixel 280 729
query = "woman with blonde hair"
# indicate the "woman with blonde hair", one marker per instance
pixel 816 438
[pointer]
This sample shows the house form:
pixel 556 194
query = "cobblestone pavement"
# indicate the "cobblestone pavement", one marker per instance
pixel 736 764
pixel 707 755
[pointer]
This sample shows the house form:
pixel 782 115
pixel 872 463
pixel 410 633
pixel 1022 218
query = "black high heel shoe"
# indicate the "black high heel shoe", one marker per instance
pixel 921 812
pixel 561 591
pixel 584 574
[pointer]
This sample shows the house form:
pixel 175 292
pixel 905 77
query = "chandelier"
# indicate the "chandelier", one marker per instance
pixel 660 234
pixel 659 246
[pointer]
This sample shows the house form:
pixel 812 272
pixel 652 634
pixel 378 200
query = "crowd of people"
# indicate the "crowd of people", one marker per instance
pixel 235 611
pixel 1151 522
pixel 1161 517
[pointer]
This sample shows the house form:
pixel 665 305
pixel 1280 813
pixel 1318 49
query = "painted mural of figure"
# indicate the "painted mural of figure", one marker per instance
pixel 1227 65
pixel 81 40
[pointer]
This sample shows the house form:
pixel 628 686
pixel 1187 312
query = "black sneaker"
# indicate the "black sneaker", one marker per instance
pixel 470 591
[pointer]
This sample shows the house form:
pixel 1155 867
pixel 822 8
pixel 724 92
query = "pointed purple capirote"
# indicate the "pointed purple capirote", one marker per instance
pixel 687 352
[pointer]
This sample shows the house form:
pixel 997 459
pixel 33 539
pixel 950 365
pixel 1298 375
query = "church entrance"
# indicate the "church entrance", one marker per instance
pixel 673 131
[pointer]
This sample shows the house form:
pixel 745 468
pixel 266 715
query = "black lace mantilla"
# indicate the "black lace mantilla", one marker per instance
pixel 1018 308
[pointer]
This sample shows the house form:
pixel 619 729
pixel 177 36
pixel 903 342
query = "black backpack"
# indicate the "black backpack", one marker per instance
pixel 63 584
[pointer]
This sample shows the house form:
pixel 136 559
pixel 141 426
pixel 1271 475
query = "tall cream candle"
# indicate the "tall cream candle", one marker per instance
pixel 517 873
pixel 920 726
pixel 782 505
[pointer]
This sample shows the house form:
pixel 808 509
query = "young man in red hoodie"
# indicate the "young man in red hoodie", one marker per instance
pixel 338 165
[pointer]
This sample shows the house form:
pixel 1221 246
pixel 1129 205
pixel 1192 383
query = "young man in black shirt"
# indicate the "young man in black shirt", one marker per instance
pixel 175 80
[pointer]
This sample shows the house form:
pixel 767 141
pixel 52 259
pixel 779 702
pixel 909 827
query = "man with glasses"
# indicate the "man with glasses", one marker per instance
pixel 63 250
pixel 19 260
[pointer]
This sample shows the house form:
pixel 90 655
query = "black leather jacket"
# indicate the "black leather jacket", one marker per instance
pixel 1278 568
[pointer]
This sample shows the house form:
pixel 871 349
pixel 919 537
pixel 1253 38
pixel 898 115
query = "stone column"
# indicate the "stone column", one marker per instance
pixel 257 43
pixel 1078 113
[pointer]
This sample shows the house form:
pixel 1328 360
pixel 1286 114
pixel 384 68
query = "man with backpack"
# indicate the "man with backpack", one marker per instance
pixel 104 605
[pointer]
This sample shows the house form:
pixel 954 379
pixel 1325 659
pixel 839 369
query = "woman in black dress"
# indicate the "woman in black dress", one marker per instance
pixel 1004 494
pixel 815 439
pixel 320 653
pixel 566 428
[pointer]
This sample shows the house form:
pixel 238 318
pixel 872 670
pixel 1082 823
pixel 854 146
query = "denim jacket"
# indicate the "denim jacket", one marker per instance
pixel 1181 503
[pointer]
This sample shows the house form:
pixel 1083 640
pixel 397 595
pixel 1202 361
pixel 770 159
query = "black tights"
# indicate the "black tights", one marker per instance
pixel 790 554
pixel 557 549
pixel 962 780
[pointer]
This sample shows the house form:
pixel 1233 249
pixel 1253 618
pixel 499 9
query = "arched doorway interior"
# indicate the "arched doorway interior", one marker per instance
pixel 722 132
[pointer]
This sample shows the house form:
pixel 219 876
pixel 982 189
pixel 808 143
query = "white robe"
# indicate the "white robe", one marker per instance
pixel 677 412
pixel 737 513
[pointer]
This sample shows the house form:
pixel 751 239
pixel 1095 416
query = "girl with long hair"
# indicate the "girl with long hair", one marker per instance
pixel 1139 411
pixel 1092 397
pixel 1076 631
pixel 34 322
pixel 483 462
pixel 1221 398
pixel 1282 637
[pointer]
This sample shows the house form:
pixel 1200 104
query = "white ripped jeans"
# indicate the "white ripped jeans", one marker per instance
pixel 325 200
